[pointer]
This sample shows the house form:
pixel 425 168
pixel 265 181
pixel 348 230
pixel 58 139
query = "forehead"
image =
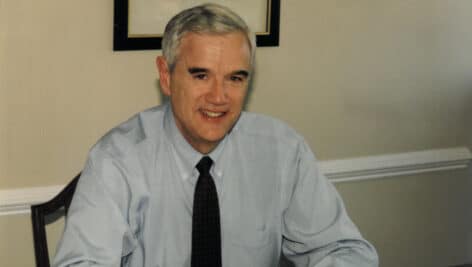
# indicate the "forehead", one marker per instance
pixel 229 47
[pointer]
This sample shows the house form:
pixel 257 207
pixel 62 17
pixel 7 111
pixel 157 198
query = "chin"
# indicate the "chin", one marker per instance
pixel 214 138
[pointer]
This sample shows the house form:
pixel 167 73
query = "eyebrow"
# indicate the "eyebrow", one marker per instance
pixel 194 70
pixel 244 73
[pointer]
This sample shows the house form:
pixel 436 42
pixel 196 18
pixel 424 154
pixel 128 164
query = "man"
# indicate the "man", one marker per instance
pixel 197 182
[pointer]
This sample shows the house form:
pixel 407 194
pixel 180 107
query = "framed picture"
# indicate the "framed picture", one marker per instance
pixel 139 24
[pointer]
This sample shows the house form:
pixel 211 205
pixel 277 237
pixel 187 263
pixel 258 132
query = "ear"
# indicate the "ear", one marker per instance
pixel 164 75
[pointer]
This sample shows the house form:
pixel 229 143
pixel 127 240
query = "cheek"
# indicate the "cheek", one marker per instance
pixel 238 97
pixel 188 103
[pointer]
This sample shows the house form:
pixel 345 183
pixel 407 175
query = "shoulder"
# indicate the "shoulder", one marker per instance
pixel 139 130
pixel 264 127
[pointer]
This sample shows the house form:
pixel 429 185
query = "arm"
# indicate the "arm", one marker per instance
pixel 317 230
pixel 96 231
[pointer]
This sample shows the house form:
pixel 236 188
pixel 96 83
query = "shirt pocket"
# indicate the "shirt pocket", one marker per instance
pixel 250 233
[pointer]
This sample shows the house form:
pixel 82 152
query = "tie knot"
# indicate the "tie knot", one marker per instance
pixel 204 165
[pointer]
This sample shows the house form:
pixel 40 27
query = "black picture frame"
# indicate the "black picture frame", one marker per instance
pixel 122 41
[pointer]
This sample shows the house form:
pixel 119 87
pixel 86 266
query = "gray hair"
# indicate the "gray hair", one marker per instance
pixel 206 18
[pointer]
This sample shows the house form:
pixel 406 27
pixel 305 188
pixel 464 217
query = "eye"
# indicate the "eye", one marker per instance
pixel 200 76
pixel 236 78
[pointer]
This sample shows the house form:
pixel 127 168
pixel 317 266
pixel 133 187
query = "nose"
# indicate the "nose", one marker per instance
pixel 217 93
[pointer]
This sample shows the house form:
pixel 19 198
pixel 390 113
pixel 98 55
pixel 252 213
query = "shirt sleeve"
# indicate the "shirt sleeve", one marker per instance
pixel 96 229
pixel 317 231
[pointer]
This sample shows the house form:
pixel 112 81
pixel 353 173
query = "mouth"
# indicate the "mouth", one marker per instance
pixel 212 114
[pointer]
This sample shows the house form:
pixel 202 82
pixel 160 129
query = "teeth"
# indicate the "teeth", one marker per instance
pixel 212 114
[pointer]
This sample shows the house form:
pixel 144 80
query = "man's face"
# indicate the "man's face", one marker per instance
pixel 207 86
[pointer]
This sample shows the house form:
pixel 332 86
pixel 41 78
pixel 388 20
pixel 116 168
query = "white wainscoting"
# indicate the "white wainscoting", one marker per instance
pixel 17 201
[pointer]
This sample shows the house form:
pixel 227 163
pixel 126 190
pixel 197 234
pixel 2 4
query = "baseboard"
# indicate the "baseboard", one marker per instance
pixel 18 201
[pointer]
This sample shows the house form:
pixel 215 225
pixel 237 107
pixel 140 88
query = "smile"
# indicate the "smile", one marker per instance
pixel 212 114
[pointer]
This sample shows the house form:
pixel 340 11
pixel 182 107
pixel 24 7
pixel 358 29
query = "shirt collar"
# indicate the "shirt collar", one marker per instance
pixel 186 157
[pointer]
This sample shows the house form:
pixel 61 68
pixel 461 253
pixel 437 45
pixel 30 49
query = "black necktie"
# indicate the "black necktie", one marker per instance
pixel 206 237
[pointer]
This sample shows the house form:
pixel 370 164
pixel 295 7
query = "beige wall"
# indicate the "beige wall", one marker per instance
pixel 414 221
pixel 354 77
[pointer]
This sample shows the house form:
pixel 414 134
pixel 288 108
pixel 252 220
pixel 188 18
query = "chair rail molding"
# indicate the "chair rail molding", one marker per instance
pixel 392 165
pixel 19 200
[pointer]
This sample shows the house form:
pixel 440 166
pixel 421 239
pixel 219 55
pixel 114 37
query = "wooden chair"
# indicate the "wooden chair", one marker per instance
pixel 46 213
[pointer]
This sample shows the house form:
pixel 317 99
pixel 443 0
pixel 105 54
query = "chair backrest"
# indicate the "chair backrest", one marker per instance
pixel 46 213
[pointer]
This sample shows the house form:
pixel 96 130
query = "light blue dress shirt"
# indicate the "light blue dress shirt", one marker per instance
pixel 133 203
